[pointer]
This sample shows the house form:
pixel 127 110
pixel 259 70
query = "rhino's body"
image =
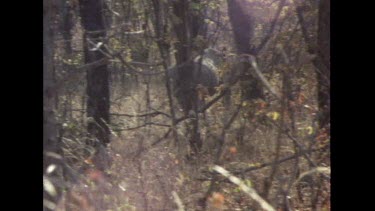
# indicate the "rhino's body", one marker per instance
pixel 197 73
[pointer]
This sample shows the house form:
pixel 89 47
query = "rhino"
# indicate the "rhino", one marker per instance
pixel 195 79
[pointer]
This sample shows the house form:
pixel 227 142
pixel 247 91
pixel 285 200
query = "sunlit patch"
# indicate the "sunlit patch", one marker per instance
pixel 51 168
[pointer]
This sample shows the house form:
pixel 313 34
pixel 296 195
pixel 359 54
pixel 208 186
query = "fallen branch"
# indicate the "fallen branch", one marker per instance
pixel 250 191
pixel 144 125
pixel 178 201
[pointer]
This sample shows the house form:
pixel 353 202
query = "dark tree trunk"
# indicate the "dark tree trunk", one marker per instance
pixel 98 76
pixel 50 129
pixel 243 29
pixel 161 29
pixel 321 48
pixel 187 28
pixel 66 24
pixel 197 24
pixel 323 63
pixel 242 25
pixel 181 27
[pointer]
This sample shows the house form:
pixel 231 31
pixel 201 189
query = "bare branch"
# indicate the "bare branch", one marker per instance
pixel 311 47
pixel 272 28
pixel 323 170
pixel 261 77
pixel 144 125
pixel 153 114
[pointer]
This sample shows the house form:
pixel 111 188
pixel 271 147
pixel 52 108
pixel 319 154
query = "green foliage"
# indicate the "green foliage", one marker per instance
pixel 115 44
pixel 195 6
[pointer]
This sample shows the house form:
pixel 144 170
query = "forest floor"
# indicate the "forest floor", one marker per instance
pixel 145 176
